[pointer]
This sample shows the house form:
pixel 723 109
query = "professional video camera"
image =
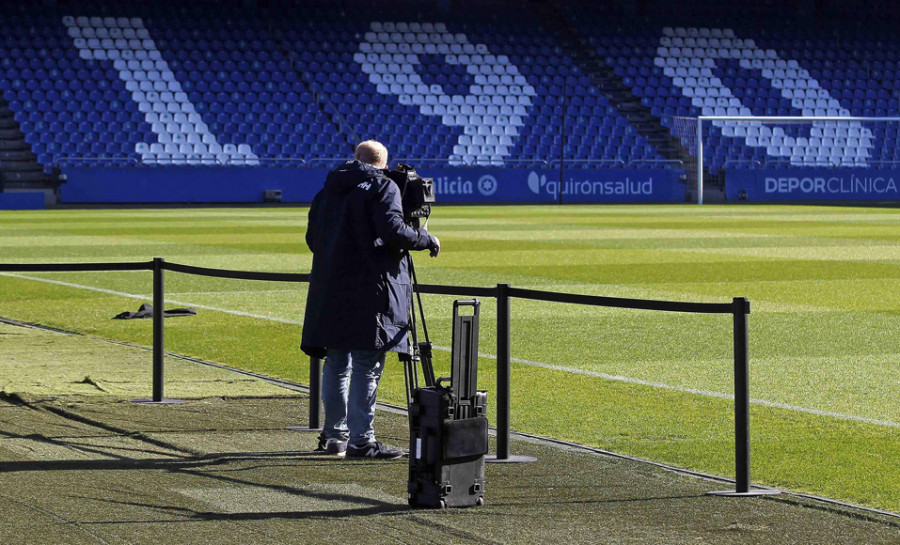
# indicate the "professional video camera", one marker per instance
pixel 416 192
pixel 417 195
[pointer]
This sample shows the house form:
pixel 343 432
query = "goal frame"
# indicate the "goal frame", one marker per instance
pixel 764 119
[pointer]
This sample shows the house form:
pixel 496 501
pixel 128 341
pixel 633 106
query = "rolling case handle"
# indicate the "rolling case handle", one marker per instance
pixel 466 303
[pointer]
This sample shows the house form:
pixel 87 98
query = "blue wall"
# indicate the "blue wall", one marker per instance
pixel 246 185
pixel 21 201
pixel 188 184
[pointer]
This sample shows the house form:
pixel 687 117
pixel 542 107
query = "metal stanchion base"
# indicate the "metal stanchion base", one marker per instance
pixel 163 402
pixel 302 428
pixel 512 459
pixel 748 494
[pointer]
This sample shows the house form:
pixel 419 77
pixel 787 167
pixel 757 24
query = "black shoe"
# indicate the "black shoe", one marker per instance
pixel 374 450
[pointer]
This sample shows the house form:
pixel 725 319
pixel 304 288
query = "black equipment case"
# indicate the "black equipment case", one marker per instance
pixel 449 427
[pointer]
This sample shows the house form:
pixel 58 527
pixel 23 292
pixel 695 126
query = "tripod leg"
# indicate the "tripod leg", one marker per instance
pixel 425 352
pixel 407 379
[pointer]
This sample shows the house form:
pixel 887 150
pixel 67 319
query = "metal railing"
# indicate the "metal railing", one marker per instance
pixel 613 163
pixel 187 160
pixel 207 160
pixel 738 308
pixel 70 161
pixel 668 163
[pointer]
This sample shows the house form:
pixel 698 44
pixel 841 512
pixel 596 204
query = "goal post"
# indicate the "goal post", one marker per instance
pixel 719 143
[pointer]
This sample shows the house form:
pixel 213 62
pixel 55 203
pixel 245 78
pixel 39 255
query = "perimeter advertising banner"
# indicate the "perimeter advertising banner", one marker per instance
pixel 188 184
pixel 813 184
pixel 503 185
pixel 199 184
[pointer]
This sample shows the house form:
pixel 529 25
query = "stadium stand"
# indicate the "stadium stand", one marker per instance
pixel 241 89
pixel 764 64
pixel 496 83
pixel 496 97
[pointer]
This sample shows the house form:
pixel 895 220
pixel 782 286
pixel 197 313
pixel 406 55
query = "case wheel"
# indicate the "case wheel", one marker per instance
pixel 442 505
pixel 479 502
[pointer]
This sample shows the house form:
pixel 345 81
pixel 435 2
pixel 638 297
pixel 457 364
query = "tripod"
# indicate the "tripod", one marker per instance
pixel 420 352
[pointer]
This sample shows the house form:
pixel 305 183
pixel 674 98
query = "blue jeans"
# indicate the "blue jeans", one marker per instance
pixel 349 387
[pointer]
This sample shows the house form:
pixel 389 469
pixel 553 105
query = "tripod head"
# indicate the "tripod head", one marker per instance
pixel 416 192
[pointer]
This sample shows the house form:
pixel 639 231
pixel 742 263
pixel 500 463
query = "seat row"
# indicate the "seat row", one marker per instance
pixel 108 22
pixel 461 51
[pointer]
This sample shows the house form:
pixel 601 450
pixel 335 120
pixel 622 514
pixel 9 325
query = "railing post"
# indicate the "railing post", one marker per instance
pixel 315 392
pixel 504 381
pixel 740 311
pixel 158 328
pixel 741 395
pixel 315 397
pixel 503 371
pixel 159 345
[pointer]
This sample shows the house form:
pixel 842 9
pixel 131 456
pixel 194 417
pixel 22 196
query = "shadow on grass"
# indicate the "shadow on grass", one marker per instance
pixel 375 507
pixel 602 501
pixel 167 464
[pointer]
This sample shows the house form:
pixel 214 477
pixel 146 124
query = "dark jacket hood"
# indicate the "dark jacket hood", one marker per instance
pixel 348 176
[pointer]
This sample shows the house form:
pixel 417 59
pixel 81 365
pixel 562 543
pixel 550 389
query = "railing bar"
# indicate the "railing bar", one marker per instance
pixel 76 267
pixel 238 275
pixel 435 289
pixel 638 304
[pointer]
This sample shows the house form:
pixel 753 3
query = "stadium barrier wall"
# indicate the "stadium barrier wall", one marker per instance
pixel 212 184
pixel 22 201
pixel 739 309
pixel 812 184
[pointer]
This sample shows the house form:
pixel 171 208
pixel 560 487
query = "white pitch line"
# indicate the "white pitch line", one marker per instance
pixel 573 370
pixel 705 393
pixel 231 292
pixel 69 285
pixel 145 298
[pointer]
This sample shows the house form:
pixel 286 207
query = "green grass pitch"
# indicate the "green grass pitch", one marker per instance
pixel 824 284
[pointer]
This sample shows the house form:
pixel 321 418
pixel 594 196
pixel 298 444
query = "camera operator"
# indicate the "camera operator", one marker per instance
pixel 359 296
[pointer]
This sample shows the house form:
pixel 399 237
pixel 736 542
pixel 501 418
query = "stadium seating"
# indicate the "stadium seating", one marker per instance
pixel 221 83
pixel 763 65
pixel 144 84
pixel 496 102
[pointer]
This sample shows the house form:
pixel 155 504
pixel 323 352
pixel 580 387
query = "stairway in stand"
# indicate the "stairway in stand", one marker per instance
pixel 619 95
pixel 19 167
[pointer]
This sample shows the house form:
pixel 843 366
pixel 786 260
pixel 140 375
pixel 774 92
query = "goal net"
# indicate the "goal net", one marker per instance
pixel 718 147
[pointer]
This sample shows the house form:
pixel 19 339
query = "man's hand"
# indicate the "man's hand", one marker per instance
pixel 435 247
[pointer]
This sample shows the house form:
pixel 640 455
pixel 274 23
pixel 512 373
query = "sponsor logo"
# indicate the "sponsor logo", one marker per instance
pixel 538 184
pixel 487 185
pixel 833 185
pixel 365 185
pixel 543 185
pixel 446 185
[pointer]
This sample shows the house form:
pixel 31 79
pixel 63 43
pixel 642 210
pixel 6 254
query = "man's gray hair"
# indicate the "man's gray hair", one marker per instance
pixel 373 153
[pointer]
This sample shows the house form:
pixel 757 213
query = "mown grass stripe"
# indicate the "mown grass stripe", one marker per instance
pixel 572 370
pixel 145 297
pixel 706 393
pixel 822 280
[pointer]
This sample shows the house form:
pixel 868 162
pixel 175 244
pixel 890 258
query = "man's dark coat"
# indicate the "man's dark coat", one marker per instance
pixel 359 291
